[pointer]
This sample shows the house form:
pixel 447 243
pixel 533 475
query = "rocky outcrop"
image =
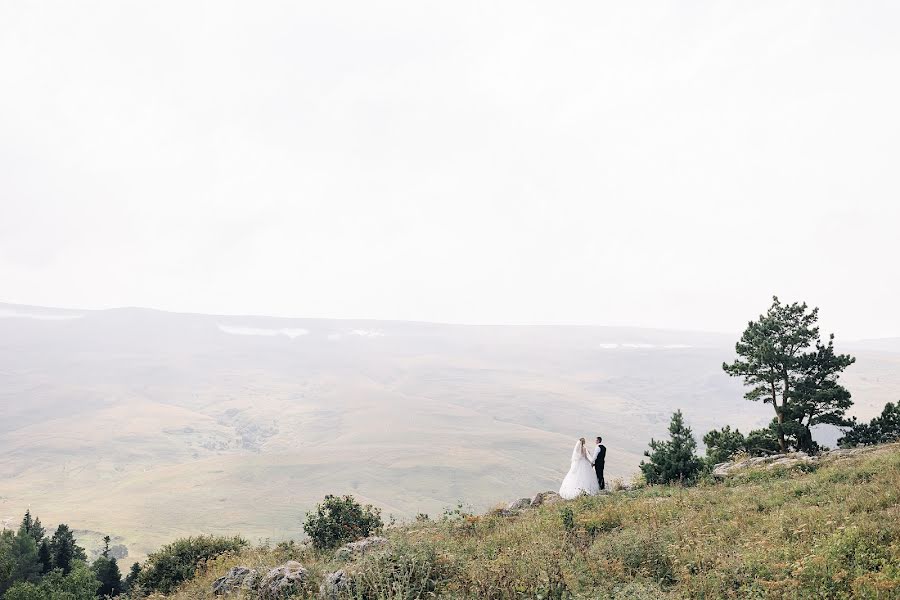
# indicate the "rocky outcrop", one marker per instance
pixel 237 578
pixel 785 461
pixel 360 547
pixel 335 586
pixel 283 582
pixel 545 498
pixel 519 504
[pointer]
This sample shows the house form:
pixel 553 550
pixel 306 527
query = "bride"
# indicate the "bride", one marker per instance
pixel 581 478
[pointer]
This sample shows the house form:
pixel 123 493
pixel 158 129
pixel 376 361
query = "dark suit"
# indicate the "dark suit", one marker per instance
pixel 599 463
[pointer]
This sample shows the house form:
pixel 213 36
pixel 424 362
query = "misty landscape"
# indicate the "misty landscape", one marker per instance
pixel 154 424
pixel 466 301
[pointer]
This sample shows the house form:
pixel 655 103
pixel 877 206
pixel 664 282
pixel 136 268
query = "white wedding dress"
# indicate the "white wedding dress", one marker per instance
pixel 581 478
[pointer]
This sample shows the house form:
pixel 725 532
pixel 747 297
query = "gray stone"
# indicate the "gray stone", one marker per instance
pixel 552 499
pixel 282 582
pixel 544 498
pixel 360 547
pixel 519 504
pixel 237 578
pixel 335 585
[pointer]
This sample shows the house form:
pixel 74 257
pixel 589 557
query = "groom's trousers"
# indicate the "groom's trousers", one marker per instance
pixel 598 468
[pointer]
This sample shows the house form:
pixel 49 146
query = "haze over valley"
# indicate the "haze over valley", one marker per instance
pixel 153 425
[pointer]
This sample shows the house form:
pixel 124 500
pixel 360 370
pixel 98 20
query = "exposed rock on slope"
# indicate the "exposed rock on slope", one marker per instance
pixel 788 461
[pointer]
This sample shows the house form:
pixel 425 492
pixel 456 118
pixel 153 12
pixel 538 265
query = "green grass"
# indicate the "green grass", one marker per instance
pixel 828 532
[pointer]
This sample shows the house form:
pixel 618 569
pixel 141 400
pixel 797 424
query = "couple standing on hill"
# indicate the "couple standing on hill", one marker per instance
pixel 585 475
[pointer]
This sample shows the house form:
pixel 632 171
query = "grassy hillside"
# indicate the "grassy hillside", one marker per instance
pixel 830 530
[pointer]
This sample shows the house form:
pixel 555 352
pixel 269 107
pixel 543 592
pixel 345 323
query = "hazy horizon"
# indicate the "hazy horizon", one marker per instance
pixel 735 333
pixel 661 166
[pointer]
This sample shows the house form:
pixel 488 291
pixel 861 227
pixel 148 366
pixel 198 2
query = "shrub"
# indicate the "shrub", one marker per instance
pixel 178 561
pixel 79 584
pixel 341 519
pixel 402 573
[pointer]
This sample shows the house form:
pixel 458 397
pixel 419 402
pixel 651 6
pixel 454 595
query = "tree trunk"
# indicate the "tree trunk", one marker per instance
pixel 779 416
pixel 781 441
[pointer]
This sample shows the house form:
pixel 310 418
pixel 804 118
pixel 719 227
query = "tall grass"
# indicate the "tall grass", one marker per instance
pixel 828 532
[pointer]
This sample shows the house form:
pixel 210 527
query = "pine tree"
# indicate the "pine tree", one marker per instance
pixel 722 444
pixel 673 460
pixel 132 577
pixel 44 556
pixel 775 359
pixel 25 553
pixel 880 430
pixel 107 572
pixel 27 522
pixel 64 550
pixel 37 531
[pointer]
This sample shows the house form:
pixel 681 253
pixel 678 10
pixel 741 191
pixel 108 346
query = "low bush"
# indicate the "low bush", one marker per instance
pixel 402 573
pixel 341 519
pixel 177 562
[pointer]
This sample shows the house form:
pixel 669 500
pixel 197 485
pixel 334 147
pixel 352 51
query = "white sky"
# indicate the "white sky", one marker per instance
pixel 657 164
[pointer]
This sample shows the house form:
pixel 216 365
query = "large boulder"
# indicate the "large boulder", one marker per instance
pixel 237 578
pixel 283 582
pixel 360 547
pixel 335 586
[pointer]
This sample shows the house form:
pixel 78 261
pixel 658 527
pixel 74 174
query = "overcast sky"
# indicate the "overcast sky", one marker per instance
pixel 668 164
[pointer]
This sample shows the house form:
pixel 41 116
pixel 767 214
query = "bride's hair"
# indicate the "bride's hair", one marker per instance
pixel 582 441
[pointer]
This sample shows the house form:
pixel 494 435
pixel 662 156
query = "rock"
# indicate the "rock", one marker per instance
pixel 555 498
pixel 721 470
pixel 538 498
pixel 335 586
pixel 841 453
pixel 282 582
pixel 545 498
pixel 360 547
pixel 237 578
pixel 519 504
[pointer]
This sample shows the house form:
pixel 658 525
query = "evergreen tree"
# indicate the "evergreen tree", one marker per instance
pixel 37 531
pixel 722 444
pixel 27 522
pixel 880 430
pixel 132 577
pixel 32 526
pixel 775 360
pixel 25 554
pixel 761 442
pixel 7 560
pixel 64 550
pixel 106 570
pixel 79 584
pixel 673 460
pixel 44 556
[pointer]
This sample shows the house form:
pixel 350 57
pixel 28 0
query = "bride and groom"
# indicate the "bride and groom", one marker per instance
pixel 585 475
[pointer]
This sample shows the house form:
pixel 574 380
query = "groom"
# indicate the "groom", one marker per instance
pixel 599 462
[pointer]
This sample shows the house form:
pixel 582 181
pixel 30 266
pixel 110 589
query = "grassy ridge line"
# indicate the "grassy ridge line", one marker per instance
pixel 830 530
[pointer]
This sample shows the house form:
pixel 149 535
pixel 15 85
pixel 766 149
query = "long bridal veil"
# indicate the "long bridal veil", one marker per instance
pixel 578 452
